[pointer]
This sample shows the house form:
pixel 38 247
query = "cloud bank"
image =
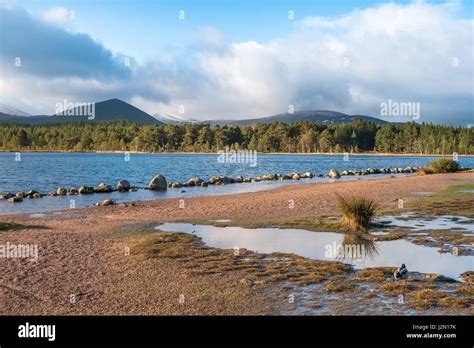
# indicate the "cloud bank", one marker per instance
pixel 417 52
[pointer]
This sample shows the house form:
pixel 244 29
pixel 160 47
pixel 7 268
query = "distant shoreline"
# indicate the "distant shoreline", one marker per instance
pixel 258 153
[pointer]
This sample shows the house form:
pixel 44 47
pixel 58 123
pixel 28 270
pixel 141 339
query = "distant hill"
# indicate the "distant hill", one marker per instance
pixel 116 109
pixel 321 116
pixel 108 110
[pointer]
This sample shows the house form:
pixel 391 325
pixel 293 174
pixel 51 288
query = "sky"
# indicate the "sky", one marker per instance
pixel 241 59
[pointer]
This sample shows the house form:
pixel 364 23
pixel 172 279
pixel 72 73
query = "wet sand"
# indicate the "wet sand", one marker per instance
pixel 83 266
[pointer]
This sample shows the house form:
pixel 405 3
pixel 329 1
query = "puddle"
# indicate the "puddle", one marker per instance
pixel 422 193
pixel 37 215
pixel 379 233
pixel 467 191
pixel 221 220
pixel 57 216
pixel 443 222
pixel 321 246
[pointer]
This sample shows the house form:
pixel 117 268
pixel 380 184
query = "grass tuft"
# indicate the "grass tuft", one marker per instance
pixel 357 213
pixel 441 165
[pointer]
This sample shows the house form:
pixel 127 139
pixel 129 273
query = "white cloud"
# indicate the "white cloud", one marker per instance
pixel 392 51
pixel 57 15
pixel 398 52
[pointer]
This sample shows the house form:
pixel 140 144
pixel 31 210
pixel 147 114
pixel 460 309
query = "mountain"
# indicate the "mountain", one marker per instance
pixel 10 110
pixel 107 110
pixel 116 109
pixel 170 119
pixel 321 116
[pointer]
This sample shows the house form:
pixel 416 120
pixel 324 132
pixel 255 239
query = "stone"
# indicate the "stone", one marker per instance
pixel 334 174
pixel 158 183
pixel 103 188
pixel 195 181
pixel 123 185
pixel 15 199
pixel 84 190
pixel 4 195
pixel 61 191
pixel 106 202
pixel 72 191
pixel 295 176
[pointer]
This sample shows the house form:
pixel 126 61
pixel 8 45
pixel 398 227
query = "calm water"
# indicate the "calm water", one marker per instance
pixel 315 245
pixel 46 171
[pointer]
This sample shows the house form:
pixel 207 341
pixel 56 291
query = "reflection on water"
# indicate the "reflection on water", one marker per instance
pixel 323 246
pixel 365 248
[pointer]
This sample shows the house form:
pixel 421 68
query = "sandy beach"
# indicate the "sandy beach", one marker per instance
pixel 100 260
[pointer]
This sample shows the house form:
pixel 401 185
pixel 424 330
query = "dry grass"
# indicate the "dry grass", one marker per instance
pixel 440 165
pixel 339 285
pixel 428 298
pixel 375 274
pixel 452 201
pixel 468 276
pixel 357 213
pixel 262 269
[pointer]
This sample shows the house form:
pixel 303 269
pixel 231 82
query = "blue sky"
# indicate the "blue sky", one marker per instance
pixel 117 23
pixel 241 58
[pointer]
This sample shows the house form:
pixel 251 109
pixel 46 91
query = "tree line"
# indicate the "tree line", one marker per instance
pixel 303 136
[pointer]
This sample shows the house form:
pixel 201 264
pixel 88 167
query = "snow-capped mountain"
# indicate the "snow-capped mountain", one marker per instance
pixel 170 119
pixel 10 110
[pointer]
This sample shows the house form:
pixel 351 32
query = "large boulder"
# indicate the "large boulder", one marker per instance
pixel 5 195
pixel 158 183
pixel 103 188
pixel 296 176
pixel 72 191
pixel 15 199
pixel 308 175
pixel 105 203
pixel 195 182
pixel 213 179
pixel 268 177
pixel 334 174
pixel 30 193
pixel 61 191
pixel 84 190
pixel 123 185
pixel 226 180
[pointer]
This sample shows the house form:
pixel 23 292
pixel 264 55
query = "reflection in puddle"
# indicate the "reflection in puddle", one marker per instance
pixel 315 245
pixel 365 248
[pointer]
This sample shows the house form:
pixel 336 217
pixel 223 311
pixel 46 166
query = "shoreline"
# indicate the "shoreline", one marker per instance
pixel 352 186
pixel 375 154
pixel 82 252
